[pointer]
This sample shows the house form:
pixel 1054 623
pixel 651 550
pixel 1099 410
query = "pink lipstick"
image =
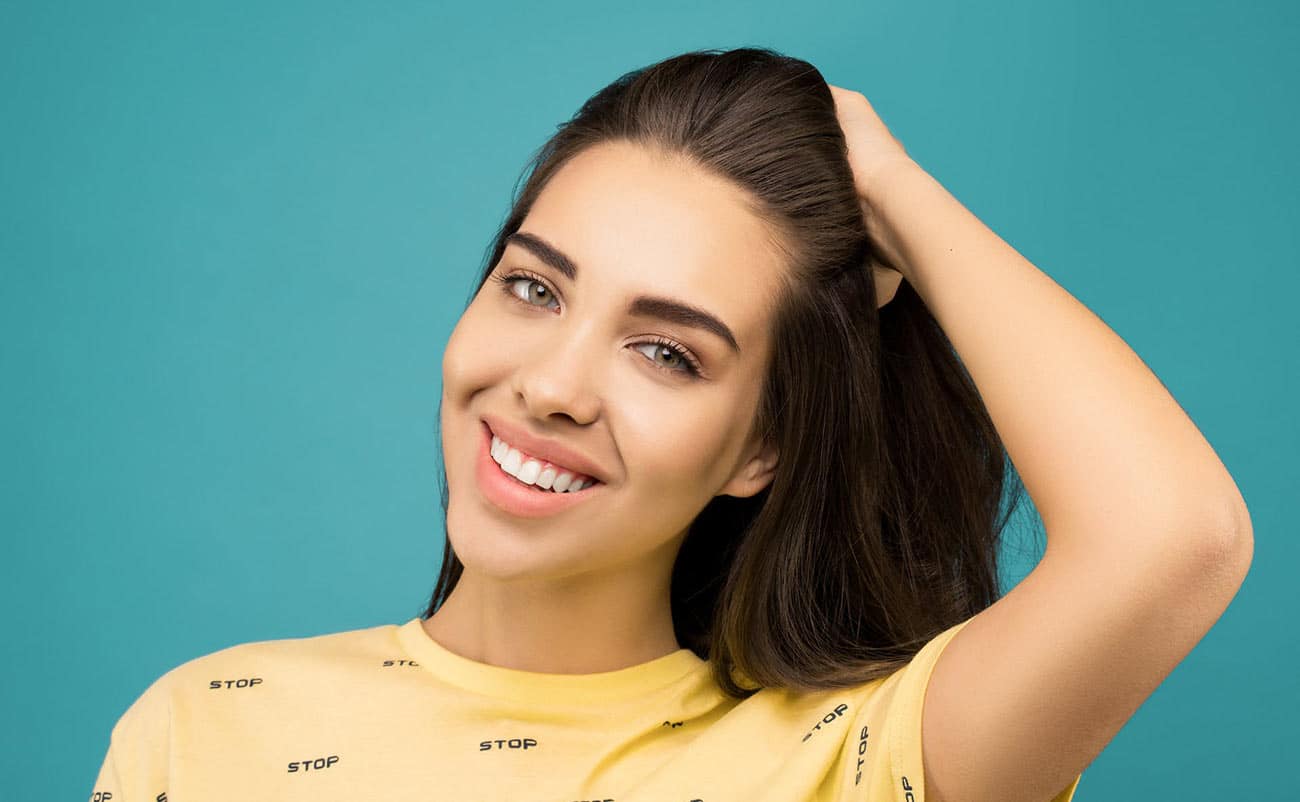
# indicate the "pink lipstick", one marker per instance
pixel 515 497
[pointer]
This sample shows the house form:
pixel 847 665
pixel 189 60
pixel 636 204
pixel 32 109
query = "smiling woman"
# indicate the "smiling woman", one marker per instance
pixel 681 298
pixel 795 504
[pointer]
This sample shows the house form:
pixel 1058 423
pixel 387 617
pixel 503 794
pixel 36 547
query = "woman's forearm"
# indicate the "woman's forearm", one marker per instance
pixel 1101 445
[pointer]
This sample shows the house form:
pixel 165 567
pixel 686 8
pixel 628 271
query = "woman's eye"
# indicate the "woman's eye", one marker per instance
pixel 535 289
pixel 679 360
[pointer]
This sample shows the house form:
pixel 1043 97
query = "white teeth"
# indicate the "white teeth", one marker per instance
pixel 546 478
pixel 528 473
pixel 512 462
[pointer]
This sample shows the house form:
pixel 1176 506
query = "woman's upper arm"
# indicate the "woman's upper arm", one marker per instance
pixel 1032 689
pixel 136 762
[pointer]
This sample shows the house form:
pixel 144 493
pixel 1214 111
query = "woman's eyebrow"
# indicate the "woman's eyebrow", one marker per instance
pixel 668 309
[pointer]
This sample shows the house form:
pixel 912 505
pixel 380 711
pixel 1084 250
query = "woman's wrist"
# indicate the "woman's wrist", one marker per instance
pixel 877 181
pixel 885 179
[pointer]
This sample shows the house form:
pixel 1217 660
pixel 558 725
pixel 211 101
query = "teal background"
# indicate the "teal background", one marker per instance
pixel 235 236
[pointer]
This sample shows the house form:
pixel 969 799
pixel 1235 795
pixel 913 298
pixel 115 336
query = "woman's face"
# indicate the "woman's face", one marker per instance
pixel 569 360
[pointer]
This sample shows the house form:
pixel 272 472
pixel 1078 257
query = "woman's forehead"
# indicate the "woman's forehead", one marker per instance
pixel 662 202
pixel 635 223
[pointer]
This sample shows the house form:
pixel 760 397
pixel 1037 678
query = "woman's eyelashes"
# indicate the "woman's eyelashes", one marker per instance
pixel 690 364
pixel 508 280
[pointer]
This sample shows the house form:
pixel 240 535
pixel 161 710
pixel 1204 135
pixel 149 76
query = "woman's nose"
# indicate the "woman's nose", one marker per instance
pixel 560 374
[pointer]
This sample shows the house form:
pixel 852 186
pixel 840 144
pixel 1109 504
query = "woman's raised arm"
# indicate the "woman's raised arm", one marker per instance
pixel 1148 537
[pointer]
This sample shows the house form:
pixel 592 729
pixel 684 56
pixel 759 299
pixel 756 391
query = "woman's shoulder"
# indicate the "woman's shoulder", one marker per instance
pixel 257 665
pixel 331 646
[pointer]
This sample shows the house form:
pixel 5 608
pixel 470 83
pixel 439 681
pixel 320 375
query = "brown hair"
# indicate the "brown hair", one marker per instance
pixel 881 527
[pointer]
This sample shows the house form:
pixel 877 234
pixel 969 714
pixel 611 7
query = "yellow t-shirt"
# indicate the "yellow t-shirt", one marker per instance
pixel 387 713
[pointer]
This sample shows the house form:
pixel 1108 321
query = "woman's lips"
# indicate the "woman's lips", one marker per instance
pixel 513 496
pixel 574 476
pixel 557 452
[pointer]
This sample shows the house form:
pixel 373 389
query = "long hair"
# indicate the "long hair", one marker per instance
pixel 881 526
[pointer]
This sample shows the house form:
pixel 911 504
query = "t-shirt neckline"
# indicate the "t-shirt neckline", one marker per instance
pixel 530 686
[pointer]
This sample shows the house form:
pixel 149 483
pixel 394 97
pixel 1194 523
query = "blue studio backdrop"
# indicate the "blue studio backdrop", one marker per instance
pixel 235 236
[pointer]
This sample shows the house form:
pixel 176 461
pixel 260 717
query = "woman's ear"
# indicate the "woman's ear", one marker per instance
pixel 887 281
pixel 754 473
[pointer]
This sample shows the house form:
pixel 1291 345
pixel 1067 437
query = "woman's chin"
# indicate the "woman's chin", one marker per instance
pixel 496 549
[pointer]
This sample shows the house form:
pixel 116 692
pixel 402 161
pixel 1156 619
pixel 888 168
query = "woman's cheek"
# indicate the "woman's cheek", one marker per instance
pixel 677 445
pixel 472 348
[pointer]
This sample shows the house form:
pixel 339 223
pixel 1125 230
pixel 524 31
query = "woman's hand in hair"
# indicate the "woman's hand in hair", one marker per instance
pixel 871 145
pixel 871 148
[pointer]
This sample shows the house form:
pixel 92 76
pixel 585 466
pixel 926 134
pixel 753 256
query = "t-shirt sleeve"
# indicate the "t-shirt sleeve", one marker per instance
pixel 884 747
pixel 134 768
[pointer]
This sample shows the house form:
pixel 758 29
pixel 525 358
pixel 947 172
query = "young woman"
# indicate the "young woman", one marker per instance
pixel 724 427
